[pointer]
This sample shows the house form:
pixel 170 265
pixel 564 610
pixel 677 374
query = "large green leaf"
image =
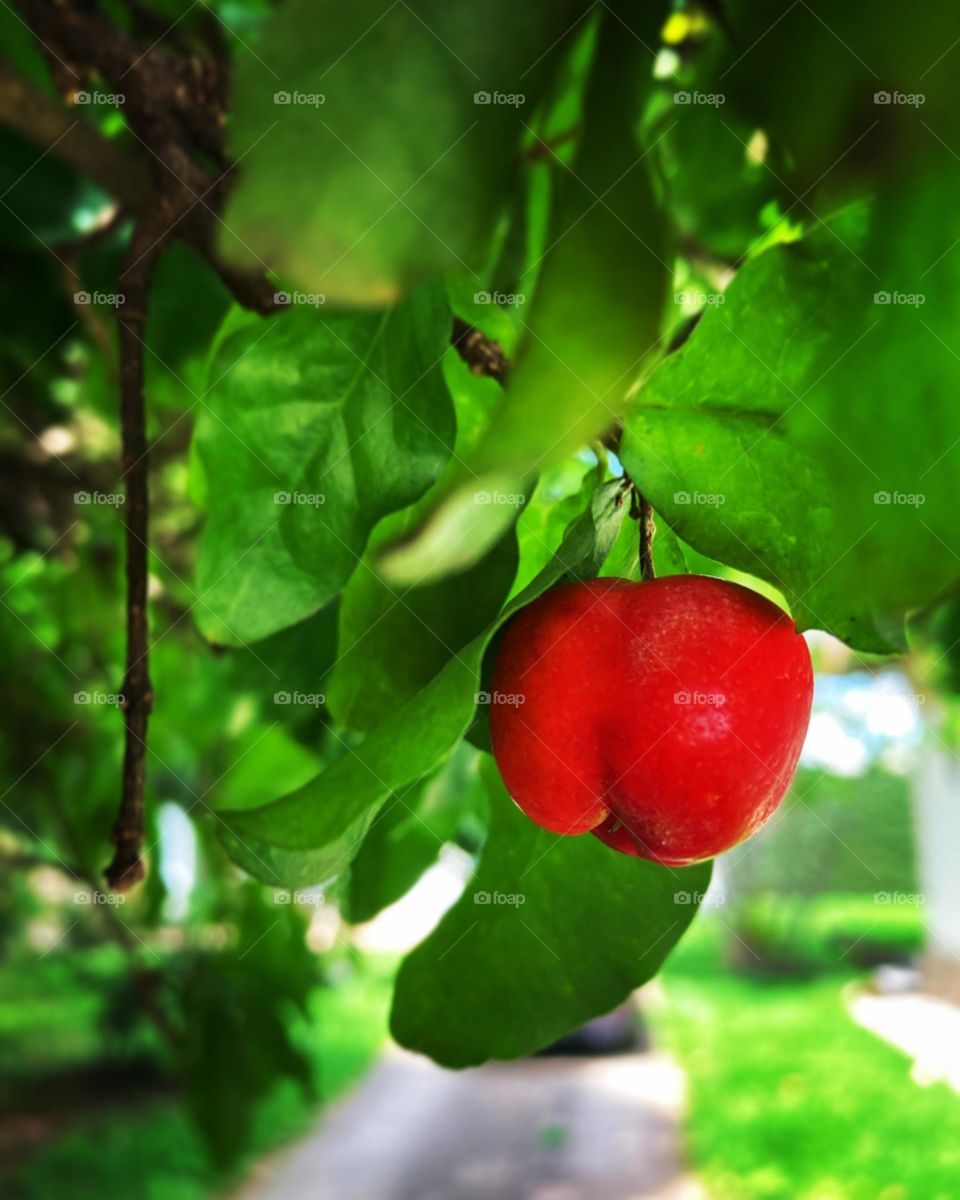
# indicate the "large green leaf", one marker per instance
pixel 719 442
pixel 394 639
pixel 316 425
pixel 409 831
pixel 777 440
pixel 550 932
pixel 593 323
pixel 384 163
pixel 311 834
pixel 886 423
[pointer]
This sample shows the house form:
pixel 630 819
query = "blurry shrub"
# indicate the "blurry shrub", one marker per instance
pixel 798 935
pixel 835 835
pixel 811 892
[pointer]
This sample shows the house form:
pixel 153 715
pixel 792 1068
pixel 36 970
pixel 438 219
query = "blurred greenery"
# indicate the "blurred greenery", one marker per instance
pixel 707 271
pixel 789 1099
pixel 102 1146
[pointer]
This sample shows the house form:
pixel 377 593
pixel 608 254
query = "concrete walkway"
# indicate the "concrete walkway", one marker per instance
pixel 542 1129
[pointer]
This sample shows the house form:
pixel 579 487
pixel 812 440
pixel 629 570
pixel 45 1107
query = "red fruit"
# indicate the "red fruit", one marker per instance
pixel 666 717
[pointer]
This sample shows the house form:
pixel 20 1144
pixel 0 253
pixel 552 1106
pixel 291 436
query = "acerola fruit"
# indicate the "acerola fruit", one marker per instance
pixel 666 717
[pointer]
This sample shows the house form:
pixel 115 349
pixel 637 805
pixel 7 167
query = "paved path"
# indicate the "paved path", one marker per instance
pixel 542 1129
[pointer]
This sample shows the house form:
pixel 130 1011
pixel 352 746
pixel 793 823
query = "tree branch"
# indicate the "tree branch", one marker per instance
pixel 481 354
pixel 127 867
pixel 53 127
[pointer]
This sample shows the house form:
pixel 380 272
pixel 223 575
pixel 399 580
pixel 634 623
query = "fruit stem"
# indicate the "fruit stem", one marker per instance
pixel 642 512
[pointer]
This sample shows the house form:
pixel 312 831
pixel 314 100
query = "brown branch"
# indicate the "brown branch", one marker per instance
pixel 648 530
pixel 53 127
pixel 481 354
pixel 127 867
pixel 641 511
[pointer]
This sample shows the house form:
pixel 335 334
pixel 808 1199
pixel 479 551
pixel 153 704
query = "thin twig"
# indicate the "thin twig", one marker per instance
pixel 481 354
pixel 127 867
pixel 648 530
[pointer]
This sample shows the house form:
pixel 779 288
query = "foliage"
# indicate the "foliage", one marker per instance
pixel 835 834
pixel 113 1150
pixel 740 283
pixel 791 1100
pixel 835 931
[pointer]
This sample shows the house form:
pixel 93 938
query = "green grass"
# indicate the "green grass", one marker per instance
pixel 789 1099
pixel 154 1153
pixel 51 1010
pixel 836 931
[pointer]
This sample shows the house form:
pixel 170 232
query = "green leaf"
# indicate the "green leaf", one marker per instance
pixel 316 425
pixel 550 932
pixel 719 442
pixel 409 831
pixel 885 425
pixel 381 168
pixel 394 639
pixel 309 835
pixel 593 324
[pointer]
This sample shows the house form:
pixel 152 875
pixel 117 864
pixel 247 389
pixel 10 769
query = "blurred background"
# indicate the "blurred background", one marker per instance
pixel 208 1037
pixel 205 1036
